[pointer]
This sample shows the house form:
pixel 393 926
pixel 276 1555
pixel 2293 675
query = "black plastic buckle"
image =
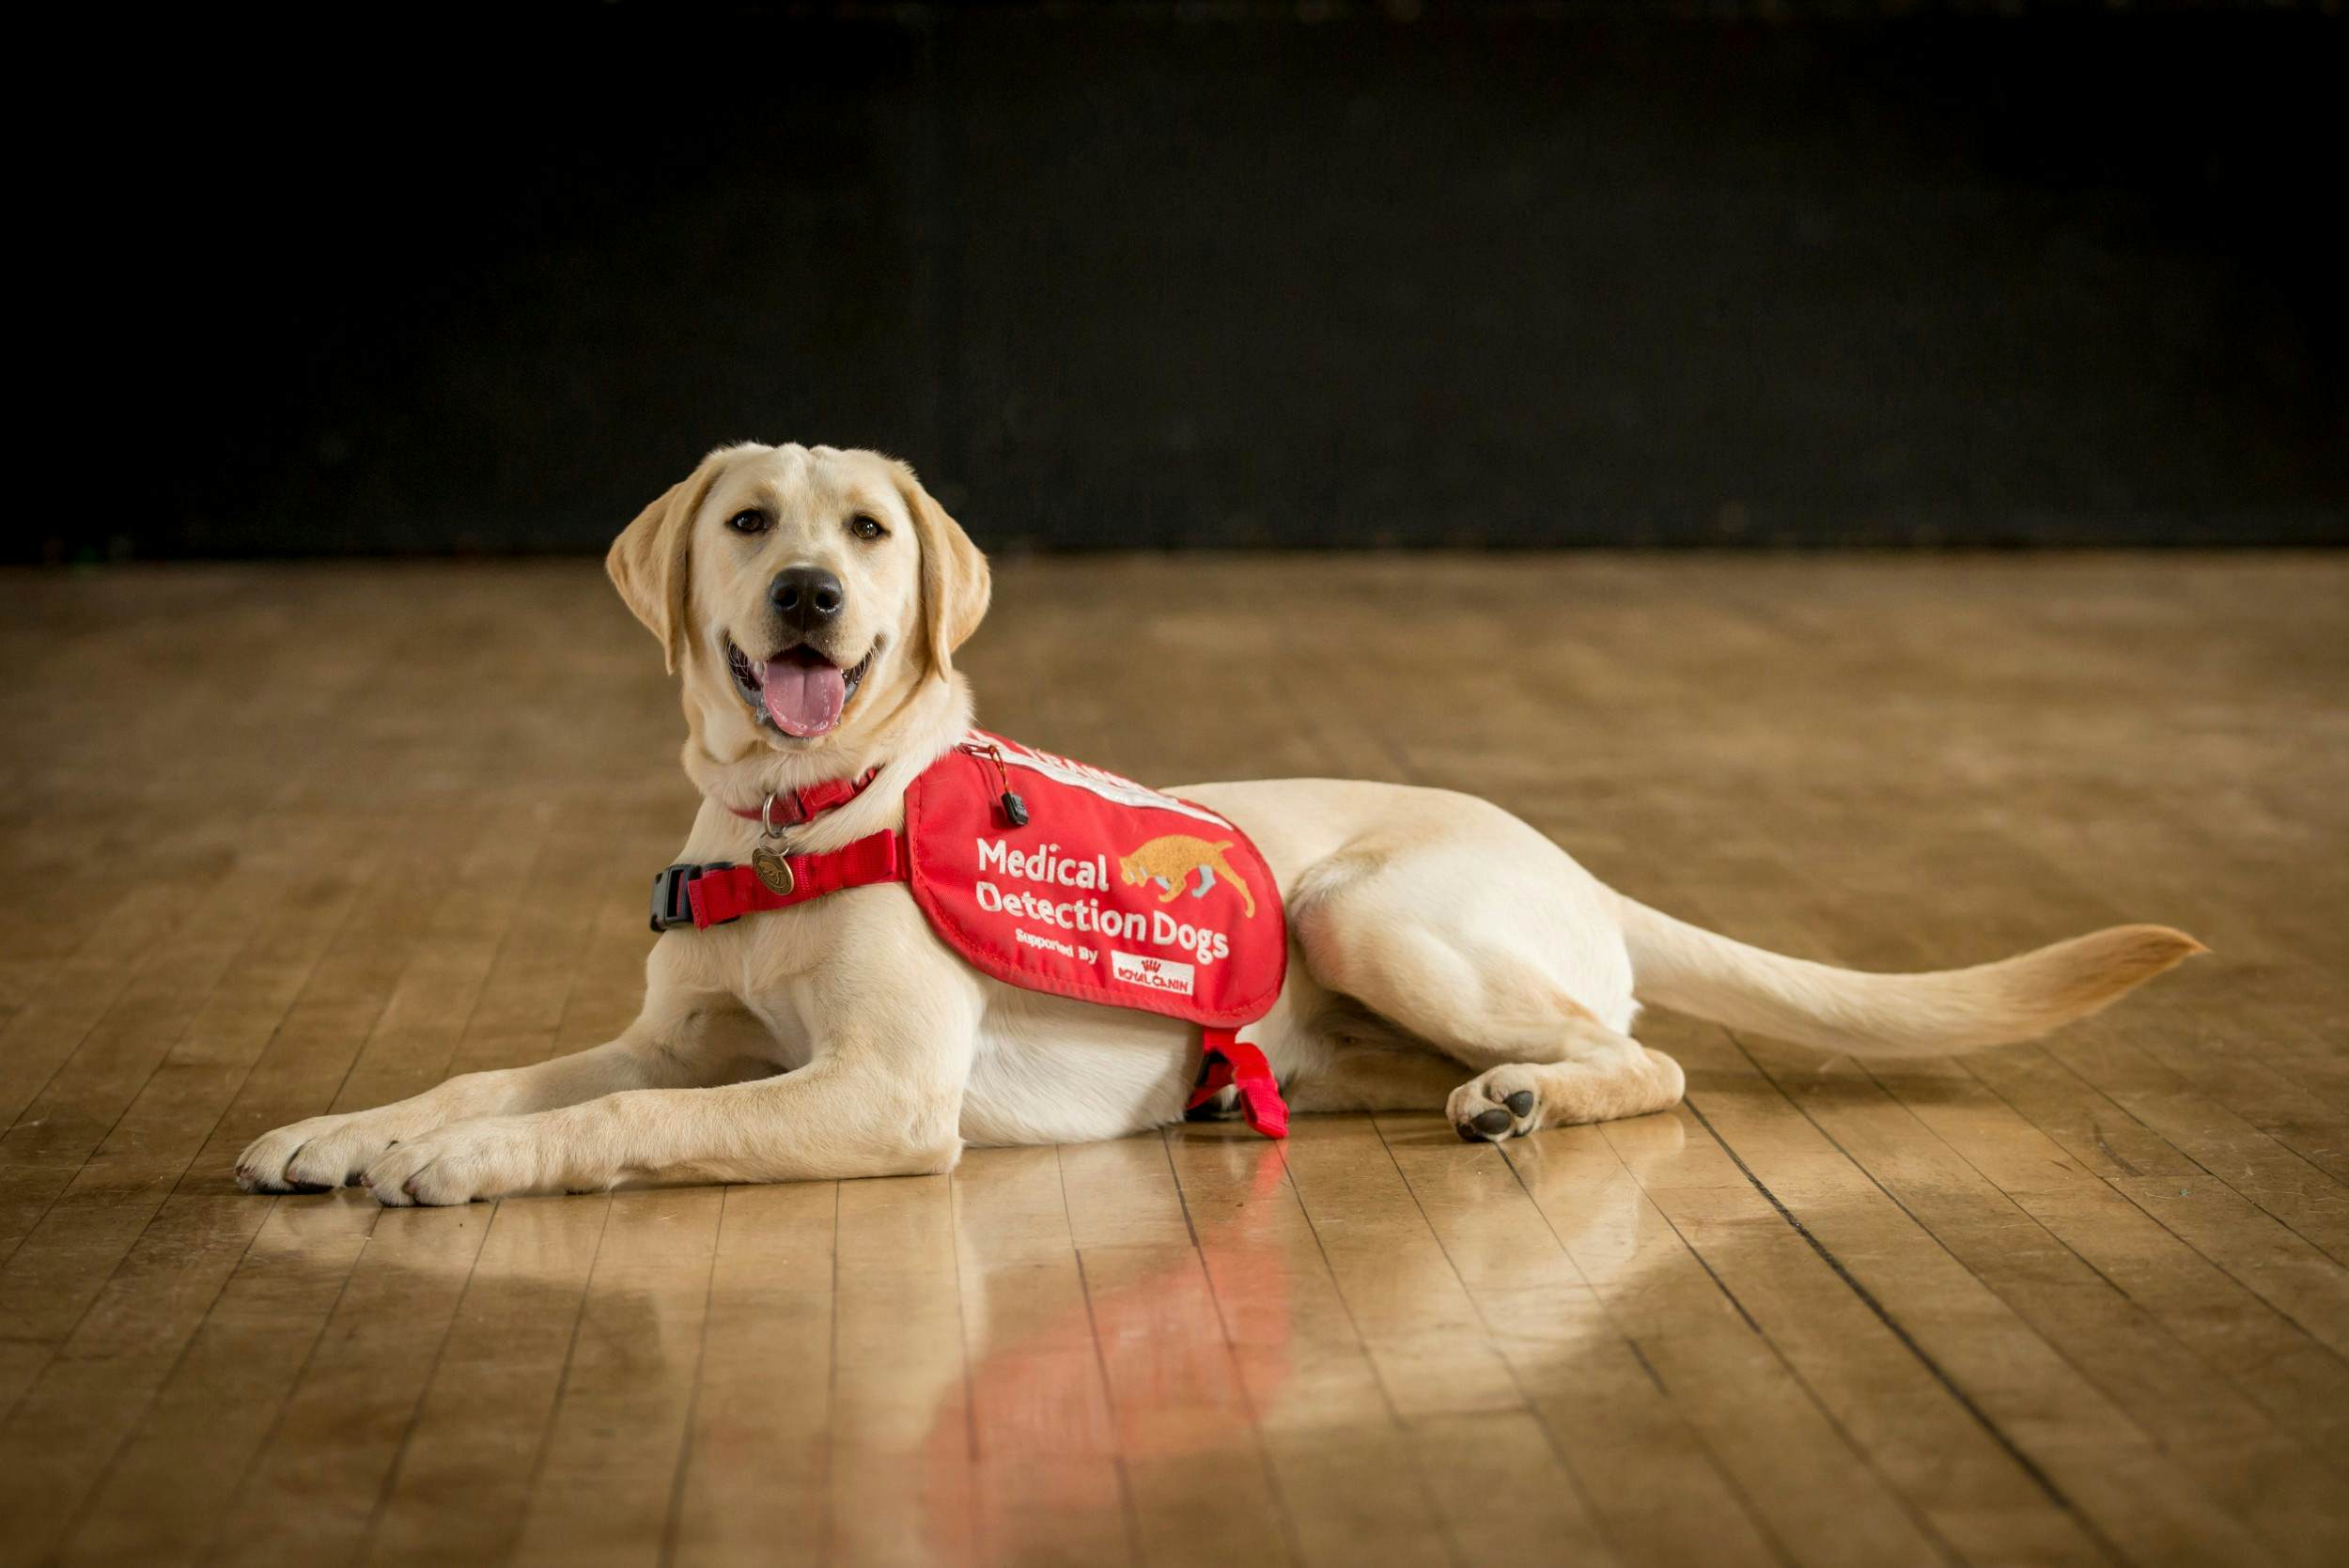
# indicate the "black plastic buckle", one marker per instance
pixel 672 907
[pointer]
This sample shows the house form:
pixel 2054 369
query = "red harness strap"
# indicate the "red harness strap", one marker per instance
pixel 729 892
pixel 1230 1061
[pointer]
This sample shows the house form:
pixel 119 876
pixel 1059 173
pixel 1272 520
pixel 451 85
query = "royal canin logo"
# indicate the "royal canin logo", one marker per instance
pixel 1152 975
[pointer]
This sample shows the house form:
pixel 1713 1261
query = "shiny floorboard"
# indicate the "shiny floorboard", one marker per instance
pixel 282 840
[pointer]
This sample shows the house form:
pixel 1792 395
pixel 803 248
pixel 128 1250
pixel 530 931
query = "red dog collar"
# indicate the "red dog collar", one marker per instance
pixel 795 806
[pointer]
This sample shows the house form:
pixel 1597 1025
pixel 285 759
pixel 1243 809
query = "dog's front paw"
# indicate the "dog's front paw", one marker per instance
pixel 492 1157
pixel 1504 1102
pixel 314 1154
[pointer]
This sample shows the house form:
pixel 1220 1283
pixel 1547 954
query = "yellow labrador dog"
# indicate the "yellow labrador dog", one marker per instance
pixel 811 600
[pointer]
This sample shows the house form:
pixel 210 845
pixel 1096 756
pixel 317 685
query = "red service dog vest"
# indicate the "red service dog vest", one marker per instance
pixel 1057 876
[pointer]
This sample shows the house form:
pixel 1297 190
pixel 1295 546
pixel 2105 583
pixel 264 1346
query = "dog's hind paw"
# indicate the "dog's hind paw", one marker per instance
pixel 1504 1102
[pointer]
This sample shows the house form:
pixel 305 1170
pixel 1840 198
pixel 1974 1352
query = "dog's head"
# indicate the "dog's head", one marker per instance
pixel 804 592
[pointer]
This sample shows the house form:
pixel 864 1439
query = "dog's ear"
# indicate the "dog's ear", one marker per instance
pixel 954 580
pixel 648 561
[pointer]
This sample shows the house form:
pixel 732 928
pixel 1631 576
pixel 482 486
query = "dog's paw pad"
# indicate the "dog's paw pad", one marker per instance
pixel 1488 1109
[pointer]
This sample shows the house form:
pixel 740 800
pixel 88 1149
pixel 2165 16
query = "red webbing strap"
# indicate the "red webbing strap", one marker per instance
pixel 718 896
pixel 794 807
pixel 1228 1061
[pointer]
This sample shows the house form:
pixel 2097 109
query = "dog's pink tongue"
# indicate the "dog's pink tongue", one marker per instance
pixel 804 699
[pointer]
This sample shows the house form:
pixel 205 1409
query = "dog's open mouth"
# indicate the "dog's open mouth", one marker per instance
pixel 799 690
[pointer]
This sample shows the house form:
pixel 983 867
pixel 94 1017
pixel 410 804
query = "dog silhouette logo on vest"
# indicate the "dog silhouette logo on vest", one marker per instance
pixel 1169 861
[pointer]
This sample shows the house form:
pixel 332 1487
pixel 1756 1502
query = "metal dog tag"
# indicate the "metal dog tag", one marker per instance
pixel 766 862
pixel 773 870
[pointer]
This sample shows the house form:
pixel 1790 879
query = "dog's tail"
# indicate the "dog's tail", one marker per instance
pixel 1689 969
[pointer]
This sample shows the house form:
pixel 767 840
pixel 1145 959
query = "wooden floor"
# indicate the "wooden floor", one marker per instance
pixel 284 840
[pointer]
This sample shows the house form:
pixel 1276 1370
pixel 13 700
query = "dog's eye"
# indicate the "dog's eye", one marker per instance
pixel 753 521
pixel 866 528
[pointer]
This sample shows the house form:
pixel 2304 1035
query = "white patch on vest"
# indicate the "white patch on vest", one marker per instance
pixel 1101 780
pixel 1152 975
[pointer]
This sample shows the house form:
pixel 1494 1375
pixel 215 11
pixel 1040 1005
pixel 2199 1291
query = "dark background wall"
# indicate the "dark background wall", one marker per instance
pixel 1240 275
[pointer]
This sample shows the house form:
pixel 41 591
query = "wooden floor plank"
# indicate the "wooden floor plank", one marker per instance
pixel 244 930
pixel 1778 1452
pixel 608 1466
pixel 2124 1225
pixel 1659 1496
pixel 73 1112
pixel 1351 1476
pixel 1893 1245
pixel 75 992
pixel 1047 1476
pixel 156 1502
pixel 459 1486
pixel 900 1484
pixel 754 1483
pixel 342 972
pixel 1923 1430
pixel 95 1385
pixel 324 981
pixel 1198 1480
pixel 312 1488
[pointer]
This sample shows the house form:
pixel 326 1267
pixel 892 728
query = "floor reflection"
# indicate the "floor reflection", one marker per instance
pixel 1314 1306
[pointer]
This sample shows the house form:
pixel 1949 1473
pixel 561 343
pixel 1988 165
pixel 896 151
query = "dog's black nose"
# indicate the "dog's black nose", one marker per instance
pixel 806 596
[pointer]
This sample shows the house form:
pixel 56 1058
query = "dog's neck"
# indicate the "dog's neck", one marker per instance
pixel 928 721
